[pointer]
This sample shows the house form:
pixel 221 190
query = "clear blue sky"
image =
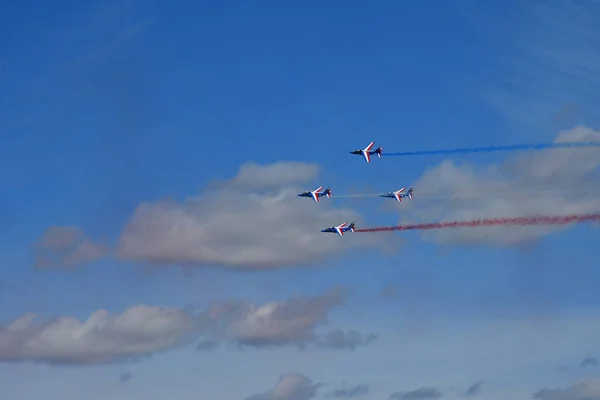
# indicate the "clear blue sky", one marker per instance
pixel 107 105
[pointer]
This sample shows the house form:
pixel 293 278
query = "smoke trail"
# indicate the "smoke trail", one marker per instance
pixel 344 196
pixel 540 192
pixel 519 221
pixel 489 149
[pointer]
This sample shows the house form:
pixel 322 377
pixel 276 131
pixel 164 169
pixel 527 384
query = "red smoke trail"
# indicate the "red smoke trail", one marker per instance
pixel 519 221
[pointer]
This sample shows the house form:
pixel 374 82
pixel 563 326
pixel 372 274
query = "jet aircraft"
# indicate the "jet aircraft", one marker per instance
pixel 315 194
pixel 398 195
pixel 367 152
pixel 340 229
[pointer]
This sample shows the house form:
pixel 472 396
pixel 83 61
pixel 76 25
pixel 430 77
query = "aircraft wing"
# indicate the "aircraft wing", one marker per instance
pixel 340 229
pixel 315 192
pixel 367 155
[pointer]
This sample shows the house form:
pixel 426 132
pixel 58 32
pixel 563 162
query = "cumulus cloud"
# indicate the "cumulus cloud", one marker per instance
pixel 253 221
pixel 275 323
pixel 66 246
pixel 102 338
pixel 290 387
pixel 143 330
pixel 423 393
pixel 581 390
pixel 356 391
pixel 548 182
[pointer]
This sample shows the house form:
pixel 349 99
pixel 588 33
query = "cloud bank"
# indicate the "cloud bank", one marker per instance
pixel 253 221
pixel 143 330
pixel 103 338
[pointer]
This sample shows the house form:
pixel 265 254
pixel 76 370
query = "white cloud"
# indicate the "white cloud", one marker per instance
pixel 547 182
pixel 274 323
pixel 281 323
pixel 102 338
pixel 254 176
pixel 254 221
pixel 142 330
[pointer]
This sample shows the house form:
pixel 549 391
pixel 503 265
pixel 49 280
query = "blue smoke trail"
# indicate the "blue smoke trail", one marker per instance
pixel 497 148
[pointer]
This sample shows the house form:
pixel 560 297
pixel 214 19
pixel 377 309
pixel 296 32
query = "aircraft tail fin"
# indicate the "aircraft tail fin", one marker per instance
pixel 378 151
pixel 328 193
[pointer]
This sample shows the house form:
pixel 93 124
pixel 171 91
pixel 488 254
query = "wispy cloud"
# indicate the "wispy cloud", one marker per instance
pixel 293 386
pixel 94 34
pixel 580 390
pixel 66 247
pixel 474 389
pixel 546 65
pixel 351 392
pixel 422 393
pixel 127 376
pixel 589 362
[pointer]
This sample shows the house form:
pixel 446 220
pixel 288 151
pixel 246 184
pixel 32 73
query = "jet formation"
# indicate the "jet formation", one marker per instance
pixel 367 152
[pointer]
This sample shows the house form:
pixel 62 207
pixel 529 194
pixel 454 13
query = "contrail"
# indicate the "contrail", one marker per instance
pixel 497 194
pixel 356 195
pixel 519 221
pixel 489 149
pixel 509 194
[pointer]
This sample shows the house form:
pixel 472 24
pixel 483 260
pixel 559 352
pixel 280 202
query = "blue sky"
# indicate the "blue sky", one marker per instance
pixel 163 146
